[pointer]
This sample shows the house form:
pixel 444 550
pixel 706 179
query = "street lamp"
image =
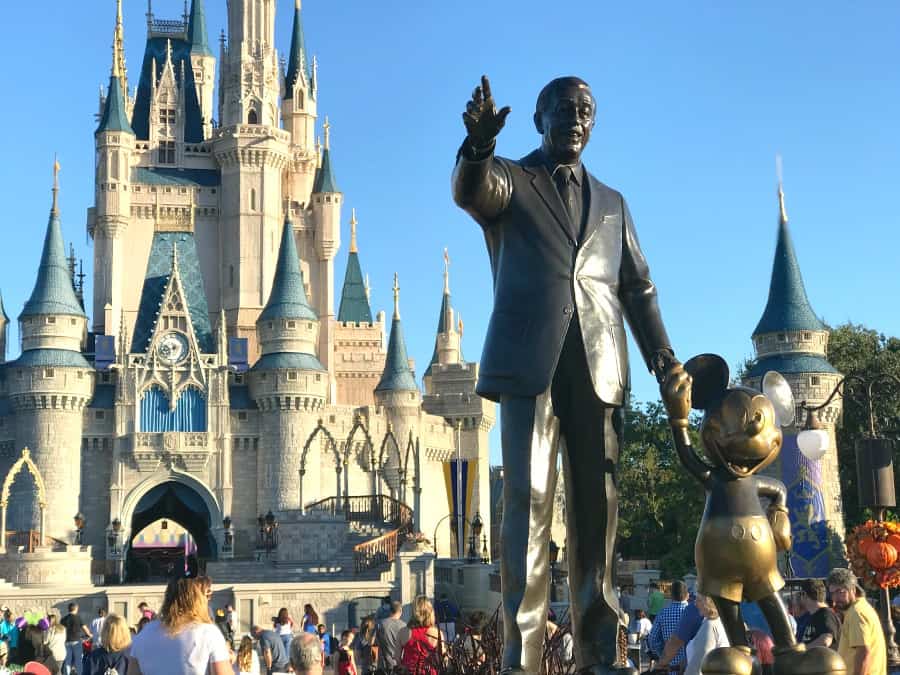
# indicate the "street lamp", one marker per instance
pixel 268 532
pixel 554 558
pixel 874 470
pixel 475 527
pixel 228 535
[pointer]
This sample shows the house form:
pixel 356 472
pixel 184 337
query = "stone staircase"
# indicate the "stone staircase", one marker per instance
pixel 339 568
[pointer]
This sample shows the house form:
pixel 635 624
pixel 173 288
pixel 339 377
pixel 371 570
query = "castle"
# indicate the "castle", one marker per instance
pixel 218 379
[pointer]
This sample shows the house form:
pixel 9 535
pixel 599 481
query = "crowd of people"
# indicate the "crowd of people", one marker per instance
pixel 189 637
pixel 675 636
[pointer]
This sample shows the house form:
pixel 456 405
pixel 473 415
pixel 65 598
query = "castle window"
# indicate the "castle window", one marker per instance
pixel 167 152
pixel 105 378
pixel 300 98
pixel 309 325
pixel 167 116
pixel 99 415
pixel 48 372
pixel 782 337
pixel 807 336
pixel 239 378
pixel 253 200
pixel 51 319
pixel 252 117
pixel 814 381
pixel 242 416
pixel 318 377
pixel 291 324
pixel 292 375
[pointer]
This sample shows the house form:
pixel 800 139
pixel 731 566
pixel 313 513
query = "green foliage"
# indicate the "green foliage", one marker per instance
pixel 855 349
pixel 660 504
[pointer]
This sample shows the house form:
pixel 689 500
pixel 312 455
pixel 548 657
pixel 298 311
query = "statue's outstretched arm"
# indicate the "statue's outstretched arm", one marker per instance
pixel 676 393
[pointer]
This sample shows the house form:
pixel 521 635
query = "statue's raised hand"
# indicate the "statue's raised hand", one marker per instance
pixel 483 121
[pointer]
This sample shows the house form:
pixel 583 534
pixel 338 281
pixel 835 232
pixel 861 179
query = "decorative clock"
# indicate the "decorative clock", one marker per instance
pixel 172 348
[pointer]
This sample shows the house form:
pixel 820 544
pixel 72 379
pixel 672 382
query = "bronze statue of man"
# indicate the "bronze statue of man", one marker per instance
pixel 567 271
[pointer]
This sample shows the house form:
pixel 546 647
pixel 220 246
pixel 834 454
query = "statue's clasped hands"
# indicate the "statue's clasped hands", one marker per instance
pixel 676 393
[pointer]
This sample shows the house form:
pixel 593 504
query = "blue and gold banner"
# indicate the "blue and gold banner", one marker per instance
pixel 811 554
pixel 467 475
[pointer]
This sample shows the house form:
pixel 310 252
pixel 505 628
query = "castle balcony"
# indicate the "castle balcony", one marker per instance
pixel 189 451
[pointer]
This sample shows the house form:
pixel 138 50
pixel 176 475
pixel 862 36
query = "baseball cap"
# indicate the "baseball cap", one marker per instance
pixel 34 668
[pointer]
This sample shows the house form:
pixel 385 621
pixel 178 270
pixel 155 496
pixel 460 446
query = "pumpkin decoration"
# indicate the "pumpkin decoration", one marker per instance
pixel 881 555
pixel 874 552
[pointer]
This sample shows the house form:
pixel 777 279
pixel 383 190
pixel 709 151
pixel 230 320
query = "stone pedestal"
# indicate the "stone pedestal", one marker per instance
pixel 414 575
pixel 66 565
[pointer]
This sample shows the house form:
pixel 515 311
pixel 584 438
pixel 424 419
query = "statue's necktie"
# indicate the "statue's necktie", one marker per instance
pixel 570 194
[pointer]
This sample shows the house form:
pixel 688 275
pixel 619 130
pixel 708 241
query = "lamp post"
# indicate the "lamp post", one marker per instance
pixel 554 561
pixel 268 532
pixel 228 535
pixel 874 470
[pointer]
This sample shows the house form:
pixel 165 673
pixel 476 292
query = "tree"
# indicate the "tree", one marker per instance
pixel 660 504
pixel 855 349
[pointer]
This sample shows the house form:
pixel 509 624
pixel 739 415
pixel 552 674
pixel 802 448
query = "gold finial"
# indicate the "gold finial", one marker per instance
pixel 119 69
pixel 459 326
pixel 55 208
pixel 327 129
pixel 368 289
pixel 446 272
pixel 778 170
pixel 353 224
pixel 297 4
pixel 396 296
pixel 168 50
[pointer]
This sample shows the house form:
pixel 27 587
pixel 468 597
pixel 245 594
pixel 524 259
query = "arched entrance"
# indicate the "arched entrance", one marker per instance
pixel 182 505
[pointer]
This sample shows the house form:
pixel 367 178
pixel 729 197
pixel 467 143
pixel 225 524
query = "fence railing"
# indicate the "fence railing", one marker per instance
pixel 370 509
pixel 27 540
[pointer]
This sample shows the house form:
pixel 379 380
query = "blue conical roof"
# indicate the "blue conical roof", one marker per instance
pixel 788 308
pixel 397 375
pixel 298 64
pixel 53 291
pixel 196 34
pixel 288 297
pixel 354 301
pixel 325 181
pixel 441 328
pixel 114 114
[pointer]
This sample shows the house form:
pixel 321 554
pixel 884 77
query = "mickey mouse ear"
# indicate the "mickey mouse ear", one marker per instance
pixel 778 391
pixel 709 373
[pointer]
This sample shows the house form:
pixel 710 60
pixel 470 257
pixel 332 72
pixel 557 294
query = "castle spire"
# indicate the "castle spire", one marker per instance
pixel 119 69
pixel 397 375
pixel 196 32
pixel 288 297
pixel 298 70
pixel 53 291
pixel 353 224
pixel 788 307
pixel 447 338
pixel 354 307
pixel 325 181
pixel 446 272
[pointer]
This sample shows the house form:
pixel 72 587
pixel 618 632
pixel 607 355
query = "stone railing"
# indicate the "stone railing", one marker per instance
pixel 377 552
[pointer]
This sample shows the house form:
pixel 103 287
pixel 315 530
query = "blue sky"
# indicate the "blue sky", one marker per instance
pixel 694 102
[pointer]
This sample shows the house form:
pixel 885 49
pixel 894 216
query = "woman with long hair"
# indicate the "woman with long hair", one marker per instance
pixel 711 635
pixel 362 645
pixel 421 654
pixel 184 640
pixel 115 639
pixel 310 619
pixel 284 627
pixel 247 661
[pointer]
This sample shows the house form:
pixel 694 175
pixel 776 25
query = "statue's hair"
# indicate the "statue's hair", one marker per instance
pixel 841 577
pixel 555 85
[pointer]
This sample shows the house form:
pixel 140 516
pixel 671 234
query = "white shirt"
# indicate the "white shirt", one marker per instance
pixel 711 635
pixel 96 629
pixel 189 652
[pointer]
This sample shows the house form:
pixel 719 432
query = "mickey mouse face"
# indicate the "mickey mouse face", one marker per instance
pixel 741 431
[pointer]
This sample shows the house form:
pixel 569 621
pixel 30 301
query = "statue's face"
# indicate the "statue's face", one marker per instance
pixel 742 431
pixel 566 123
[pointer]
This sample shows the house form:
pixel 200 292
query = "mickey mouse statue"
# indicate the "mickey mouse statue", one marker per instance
pixel 738 541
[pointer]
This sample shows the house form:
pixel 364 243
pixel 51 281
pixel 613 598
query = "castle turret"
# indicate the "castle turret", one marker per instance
pixel 203 62
pixel 288 382
pixel 49 386
pixel 108 221
pixel 448 338
pixel 298 112
pixel 327 202
pixel 792 340
pixel 253 153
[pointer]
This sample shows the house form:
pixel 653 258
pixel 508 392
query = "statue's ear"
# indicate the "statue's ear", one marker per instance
pixel 538 123
pixel 709 373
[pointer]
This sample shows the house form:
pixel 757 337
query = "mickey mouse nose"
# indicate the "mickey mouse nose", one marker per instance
pixel 755 425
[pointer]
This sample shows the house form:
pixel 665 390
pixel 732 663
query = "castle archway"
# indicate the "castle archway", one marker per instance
pixel 173 505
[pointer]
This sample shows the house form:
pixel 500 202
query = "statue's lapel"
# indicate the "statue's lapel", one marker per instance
pixel 543 185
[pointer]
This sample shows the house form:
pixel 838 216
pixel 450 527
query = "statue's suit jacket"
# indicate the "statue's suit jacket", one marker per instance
pixel 542 275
